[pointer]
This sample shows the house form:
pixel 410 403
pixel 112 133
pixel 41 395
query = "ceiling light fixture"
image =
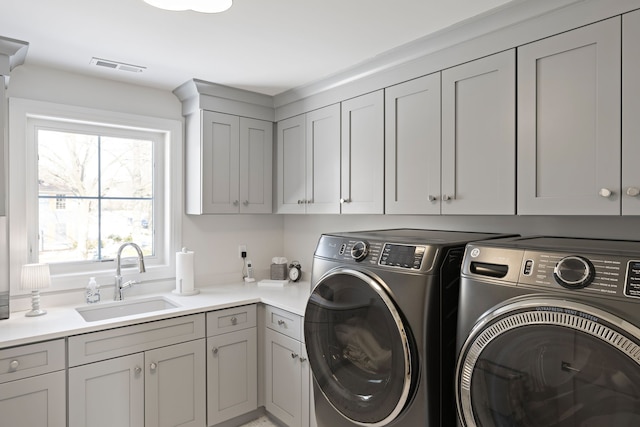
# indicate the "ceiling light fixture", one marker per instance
pixel 204 6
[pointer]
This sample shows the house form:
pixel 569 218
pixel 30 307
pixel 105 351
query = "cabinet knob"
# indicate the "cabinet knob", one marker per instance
pixel 234 320
pixel 281 322
pixel 246 203
pixel 605 192
pixel 14 365
pixel 153 366
pixel 633 191
pixel 236 203
pixel 446 198
pixel 303 359
pixel 294 355
pixel 214 350
pixel 137 370
pixel 345 200
pixel 432 198
pixel 299 201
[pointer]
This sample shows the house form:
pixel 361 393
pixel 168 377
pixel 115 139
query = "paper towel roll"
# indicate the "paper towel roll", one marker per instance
pixel 185 273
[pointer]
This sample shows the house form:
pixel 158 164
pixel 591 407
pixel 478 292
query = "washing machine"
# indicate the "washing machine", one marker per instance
pixel 549 333
pixel 379 326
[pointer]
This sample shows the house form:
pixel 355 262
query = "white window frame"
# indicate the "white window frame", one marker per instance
pixel 24 118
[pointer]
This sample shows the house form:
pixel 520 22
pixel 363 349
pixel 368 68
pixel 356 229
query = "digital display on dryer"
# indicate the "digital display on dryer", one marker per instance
pixel 404 256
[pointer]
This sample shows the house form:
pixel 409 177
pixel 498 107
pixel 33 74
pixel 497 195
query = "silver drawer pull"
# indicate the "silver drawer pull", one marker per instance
pixel 153 366
pixel 303 359
pixel 214 350
pixel 294 355
pixel 14 365
pixel 137 370
pixel 281 322
pixel 234 320
pixel 605 192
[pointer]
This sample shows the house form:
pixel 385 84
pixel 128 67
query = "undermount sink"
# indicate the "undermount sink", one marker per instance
pixel 124 308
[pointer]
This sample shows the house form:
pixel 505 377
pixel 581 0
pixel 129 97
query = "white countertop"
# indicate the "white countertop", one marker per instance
pixel 63 321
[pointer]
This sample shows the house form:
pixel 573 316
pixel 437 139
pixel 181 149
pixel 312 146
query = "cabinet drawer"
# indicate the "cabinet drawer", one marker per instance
pixel 231 319
pixel 284 322
pixel 29 360
pixel 117 342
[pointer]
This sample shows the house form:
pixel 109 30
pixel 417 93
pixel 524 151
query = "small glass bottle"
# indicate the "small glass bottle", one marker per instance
pixel 92 291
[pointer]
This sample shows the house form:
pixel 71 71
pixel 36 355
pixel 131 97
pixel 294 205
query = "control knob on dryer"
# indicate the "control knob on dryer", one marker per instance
pixel 574 272
pixel 360 250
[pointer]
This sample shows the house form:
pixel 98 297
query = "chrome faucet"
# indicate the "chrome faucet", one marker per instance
pixel 117 294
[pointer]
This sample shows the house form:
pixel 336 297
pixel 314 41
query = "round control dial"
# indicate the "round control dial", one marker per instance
pixel 574 272
pixel 359 251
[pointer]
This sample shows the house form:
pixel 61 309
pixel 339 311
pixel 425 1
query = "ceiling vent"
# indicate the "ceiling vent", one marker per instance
pixel 117 65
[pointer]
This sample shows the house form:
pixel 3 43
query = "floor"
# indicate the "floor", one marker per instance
pixel 260 422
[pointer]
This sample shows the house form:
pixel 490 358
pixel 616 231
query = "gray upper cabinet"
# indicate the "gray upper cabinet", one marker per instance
pixel 363 154
pixel 229 167
pixel 291 171
pixel 569 122
pixel 630 114
pixel 412 146
pixel 478 137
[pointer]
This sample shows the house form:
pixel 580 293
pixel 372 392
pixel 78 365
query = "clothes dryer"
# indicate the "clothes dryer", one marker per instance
pixel 549 333
pixel 379 327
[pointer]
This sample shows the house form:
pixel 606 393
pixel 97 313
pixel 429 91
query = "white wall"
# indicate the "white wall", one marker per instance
pixel 215 238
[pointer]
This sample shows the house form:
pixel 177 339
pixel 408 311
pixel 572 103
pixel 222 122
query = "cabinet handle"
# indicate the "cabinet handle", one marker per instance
pixel 235 203
pixel 446 198
pixel 281 322
pixel 234 320
pixel 14 365
pixel 246 203
pixel 153 366
pixel 432 198
pixel 294 355
pixel 310 201
pixel 605 192
pixel 299 201
pixel 345 200
pixel 214 350
pixel 303 359
pixel 633 191
pixel 137 370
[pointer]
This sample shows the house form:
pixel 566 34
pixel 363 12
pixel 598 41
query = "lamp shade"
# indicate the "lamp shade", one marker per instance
pixel 35 276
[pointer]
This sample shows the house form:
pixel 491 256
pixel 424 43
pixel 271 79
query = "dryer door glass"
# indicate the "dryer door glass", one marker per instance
pixel 550 365
pixel 361 353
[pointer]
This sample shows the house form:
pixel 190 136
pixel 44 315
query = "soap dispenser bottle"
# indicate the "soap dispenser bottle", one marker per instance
pixel 92 291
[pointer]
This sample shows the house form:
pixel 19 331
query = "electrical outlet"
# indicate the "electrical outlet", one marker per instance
pixel 241 249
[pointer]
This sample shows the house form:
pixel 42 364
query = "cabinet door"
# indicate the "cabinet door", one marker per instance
pixel 283 395
pixel 291 172
pixel 35 401
pixel 479 137
pixel 323 160
pixel 569 122
pixel 175 385
pixel 232 375
pixel 256 160
pixel 220 163
pixel 363 154
pixel 412 147
pixel 630 114
pixel 108 393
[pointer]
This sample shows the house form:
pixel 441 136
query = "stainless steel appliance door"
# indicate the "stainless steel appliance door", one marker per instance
pixel 361 352
pixel 549 362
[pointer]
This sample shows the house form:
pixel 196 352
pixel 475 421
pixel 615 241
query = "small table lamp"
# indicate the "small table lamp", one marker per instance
pixel 35 277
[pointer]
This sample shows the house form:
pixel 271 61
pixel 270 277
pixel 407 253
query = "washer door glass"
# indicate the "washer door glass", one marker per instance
pixel 360 352
pixel 550 363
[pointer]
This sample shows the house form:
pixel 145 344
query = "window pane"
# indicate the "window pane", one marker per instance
pixel 67 164
pixel 126 221
pixel 127 167
pixel 69 234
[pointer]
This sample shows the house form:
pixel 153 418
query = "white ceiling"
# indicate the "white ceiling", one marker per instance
pixel 266 46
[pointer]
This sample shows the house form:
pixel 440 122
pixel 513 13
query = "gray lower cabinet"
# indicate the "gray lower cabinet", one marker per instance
pixel 232 363
pixel 33 385
pixel 149 374
pixel 569 98
pixel 287 382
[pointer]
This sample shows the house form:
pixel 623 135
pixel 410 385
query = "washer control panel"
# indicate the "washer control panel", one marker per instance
pixel 609 275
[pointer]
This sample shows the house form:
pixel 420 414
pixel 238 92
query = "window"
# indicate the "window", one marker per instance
pixel 92 181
